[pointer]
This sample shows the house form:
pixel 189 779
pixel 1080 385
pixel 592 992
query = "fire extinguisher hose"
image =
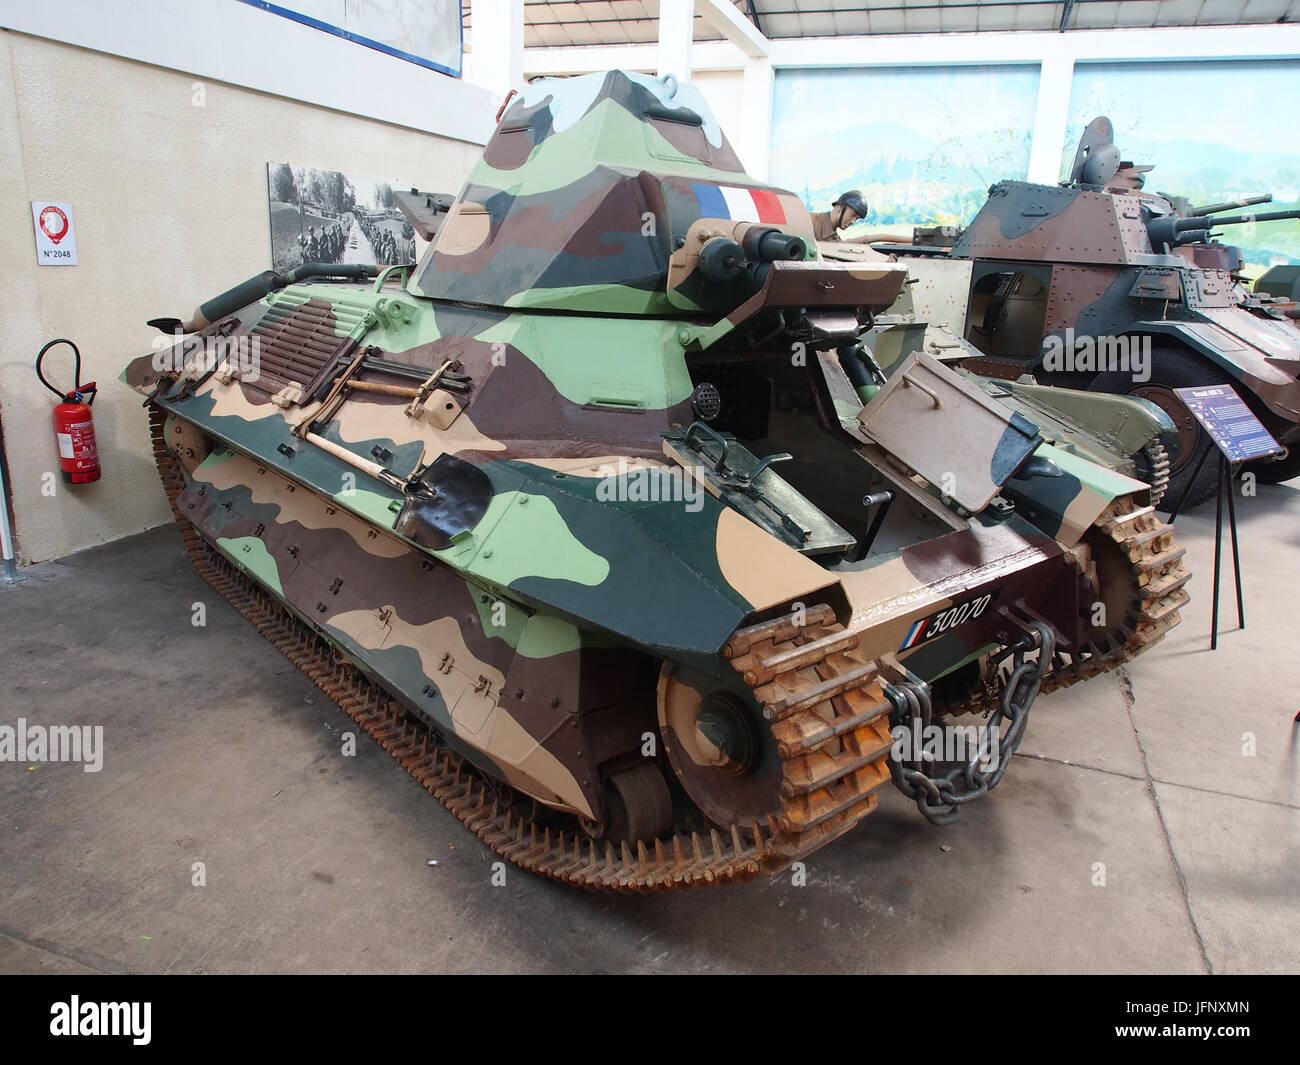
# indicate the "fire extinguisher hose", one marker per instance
pixel 78 390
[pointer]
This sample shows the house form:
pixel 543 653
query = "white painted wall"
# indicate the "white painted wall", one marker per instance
pixel 235 43
pixel 724 90
pixel 170 208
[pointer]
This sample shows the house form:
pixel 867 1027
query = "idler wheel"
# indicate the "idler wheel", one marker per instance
pixel 720 748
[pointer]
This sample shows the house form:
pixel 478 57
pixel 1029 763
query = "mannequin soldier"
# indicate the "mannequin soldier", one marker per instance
pixel 851 207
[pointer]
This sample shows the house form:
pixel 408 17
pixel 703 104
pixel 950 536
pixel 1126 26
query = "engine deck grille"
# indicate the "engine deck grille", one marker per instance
pixel 297 337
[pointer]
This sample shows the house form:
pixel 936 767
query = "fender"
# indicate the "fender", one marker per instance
pixel 1263 359
pixel 1130 422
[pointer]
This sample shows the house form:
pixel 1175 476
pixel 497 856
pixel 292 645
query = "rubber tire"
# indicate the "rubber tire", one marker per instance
pixel 1176 368
pixel 1276 472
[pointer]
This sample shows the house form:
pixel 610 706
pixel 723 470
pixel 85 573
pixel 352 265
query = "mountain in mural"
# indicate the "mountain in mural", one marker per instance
pixel 909 176
pixel 922 144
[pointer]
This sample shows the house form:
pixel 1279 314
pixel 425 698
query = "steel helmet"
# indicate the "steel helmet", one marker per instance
pixel 854 201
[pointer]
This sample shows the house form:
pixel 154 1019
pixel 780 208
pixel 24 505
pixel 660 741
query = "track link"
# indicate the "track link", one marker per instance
pixel 828 713
pixel 1157 466
pixel 824 700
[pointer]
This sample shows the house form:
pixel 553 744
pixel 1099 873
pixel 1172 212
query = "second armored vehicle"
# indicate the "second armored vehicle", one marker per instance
pixel 1098 284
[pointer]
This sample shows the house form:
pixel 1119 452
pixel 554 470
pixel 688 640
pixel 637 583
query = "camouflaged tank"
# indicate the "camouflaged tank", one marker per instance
pixel 584 520
pixel 1098 284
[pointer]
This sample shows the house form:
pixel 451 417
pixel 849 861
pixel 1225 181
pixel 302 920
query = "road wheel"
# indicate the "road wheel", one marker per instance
pixel 638 806
pixel 720 747
pixel 1175 368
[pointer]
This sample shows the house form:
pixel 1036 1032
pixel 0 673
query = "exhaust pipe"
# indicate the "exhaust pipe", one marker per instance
pixel 255 288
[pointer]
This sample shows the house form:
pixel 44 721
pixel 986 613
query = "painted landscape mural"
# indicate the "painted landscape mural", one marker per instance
pixel 923 144
pixel 1214 130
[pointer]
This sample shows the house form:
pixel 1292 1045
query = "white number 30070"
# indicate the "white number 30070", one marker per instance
pixel 948 618
pixel 956 615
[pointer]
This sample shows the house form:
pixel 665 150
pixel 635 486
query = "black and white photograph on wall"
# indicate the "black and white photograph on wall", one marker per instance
pixel 324 216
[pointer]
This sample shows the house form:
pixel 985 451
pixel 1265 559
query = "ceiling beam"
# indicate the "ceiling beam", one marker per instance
pixel 1029 47
pixel 584 58
pixel 1066 11
pixel 722 16
pixel 1032 46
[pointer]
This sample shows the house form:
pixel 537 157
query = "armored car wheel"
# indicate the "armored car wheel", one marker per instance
pixel 1279 471
pixel 1173 368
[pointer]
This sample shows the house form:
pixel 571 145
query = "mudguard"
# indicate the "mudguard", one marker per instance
pixel 1259 354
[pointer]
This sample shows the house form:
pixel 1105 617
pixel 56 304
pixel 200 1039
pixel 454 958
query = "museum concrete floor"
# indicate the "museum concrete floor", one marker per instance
pixel 219 751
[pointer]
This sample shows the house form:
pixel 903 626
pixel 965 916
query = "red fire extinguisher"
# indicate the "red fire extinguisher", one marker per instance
pixel 74 428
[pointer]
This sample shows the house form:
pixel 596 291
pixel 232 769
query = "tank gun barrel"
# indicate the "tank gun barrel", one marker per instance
pixel 1172 230
pixel 1262 216
pixel 1228 205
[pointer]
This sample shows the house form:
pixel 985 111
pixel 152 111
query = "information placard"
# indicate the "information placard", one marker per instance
pixel 1231 424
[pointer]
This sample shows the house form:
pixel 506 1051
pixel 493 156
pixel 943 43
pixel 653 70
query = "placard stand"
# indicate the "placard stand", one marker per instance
pixel 1227 470
pixel 1237 436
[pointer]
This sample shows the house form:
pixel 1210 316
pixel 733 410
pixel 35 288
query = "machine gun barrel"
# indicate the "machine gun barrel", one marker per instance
pixel 1263 216
pixel 1228 205
pixel 1171 230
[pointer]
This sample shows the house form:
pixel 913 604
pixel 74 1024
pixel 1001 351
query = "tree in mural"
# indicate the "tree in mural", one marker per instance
pixel 965 167
pixel 337 192
pixel 283 187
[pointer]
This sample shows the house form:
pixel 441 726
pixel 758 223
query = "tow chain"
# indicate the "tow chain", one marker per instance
pixel 940 798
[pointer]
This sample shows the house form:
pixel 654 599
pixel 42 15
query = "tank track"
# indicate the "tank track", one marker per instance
pixel 1157 465
pixel 1157 592
pixel 1156 580
pixel 825 702
pixel 822 697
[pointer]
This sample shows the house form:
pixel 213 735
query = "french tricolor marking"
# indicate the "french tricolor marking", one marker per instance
pixel 914 634
pixel 738 204
pixel 945 620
